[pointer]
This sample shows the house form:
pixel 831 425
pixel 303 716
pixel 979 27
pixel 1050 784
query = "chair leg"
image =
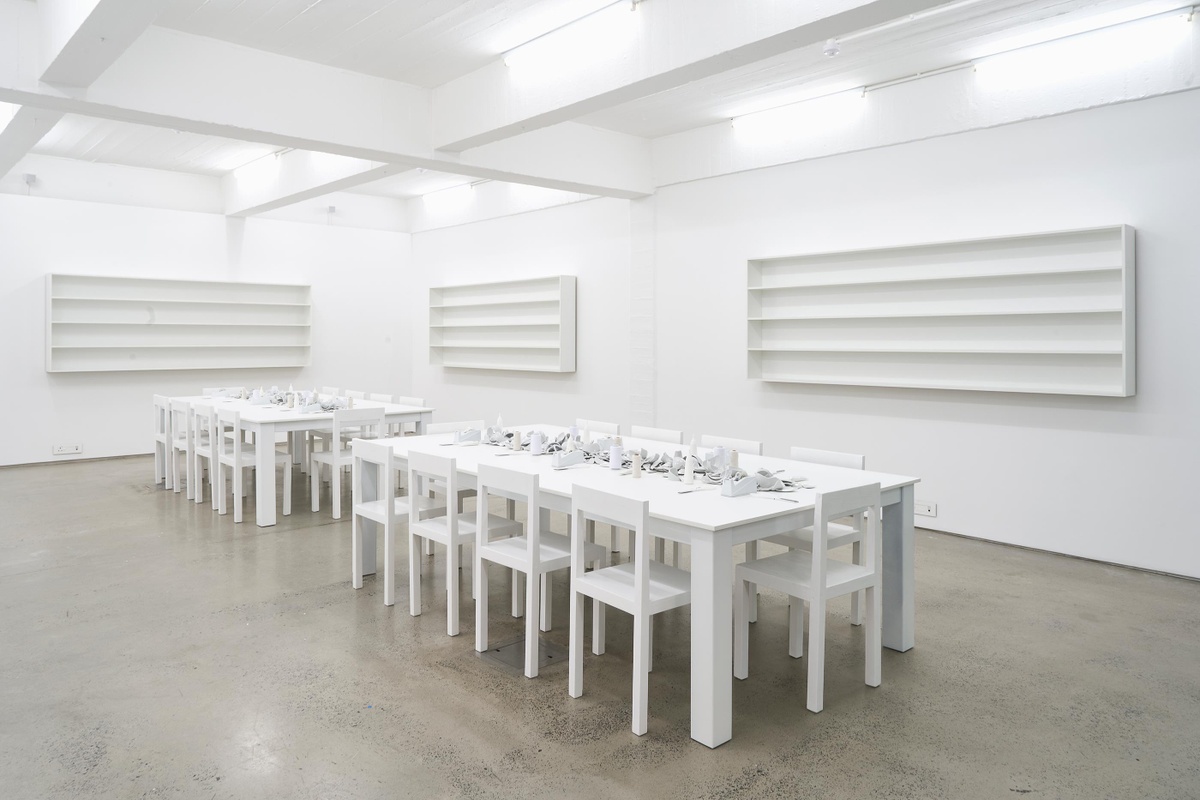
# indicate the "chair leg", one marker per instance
pixel 414 574
pixel 660 550
pixel 287 486
pixel 741 632
pixel 314 484
pixel 874 643
pixel 389 564
pixel 239 478
pixel 452 556
pixel 533 588
pixel 518 594
pixel 795 627
pixel 481 605
pixel 752 611
pixel 856 612
pixel 675 553
pixel 816 654
pixel 546 587
pixel 218 492
pixel 336 489
pixel 356 556
pixel 598 614
pixel 575 654
pixel 641 673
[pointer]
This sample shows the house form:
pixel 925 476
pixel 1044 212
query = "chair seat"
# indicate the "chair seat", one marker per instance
pixel 791 573
pixel 839 536
pixel 670 587
pixel 341 457
pixel 438 528
pixel 554 552
pixel 376 510
pixel 249 456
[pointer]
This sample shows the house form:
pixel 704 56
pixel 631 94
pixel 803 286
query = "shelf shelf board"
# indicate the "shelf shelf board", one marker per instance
pixel 947 350
pixel 942 315
pixel 491 346
pixel 158 300
pixel 968 385
pixel 125 347
pixel 445 326
pixel 935 278
pixel 185 324
pixel 549 301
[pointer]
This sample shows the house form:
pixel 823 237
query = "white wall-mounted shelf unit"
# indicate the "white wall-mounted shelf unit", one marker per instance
pixel 1041 313
pixel 526 325
pixel 105 324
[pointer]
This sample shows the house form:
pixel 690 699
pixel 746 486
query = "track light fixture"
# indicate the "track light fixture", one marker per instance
pixel 831 48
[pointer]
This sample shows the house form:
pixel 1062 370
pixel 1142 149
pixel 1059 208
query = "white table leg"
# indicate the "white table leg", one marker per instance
pixel 264 465
pixel 712 638
pixel 899 574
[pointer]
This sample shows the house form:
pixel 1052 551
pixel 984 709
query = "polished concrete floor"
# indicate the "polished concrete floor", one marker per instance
pixel 149 648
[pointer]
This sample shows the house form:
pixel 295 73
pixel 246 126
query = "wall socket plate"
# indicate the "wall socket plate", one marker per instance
pixel 66 449
pixel 925 509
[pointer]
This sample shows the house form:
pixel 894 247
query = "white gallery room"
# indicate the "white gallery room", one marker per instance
pixel 579 398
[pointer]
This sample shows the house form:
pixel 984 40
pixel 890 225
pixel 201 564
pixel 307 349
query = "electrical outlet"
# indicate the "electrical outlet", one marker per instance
pixel 925 509
pixel 66 449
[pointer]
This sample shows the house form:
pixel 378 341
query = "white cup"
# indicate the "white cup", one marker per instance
pixel 614 457
pixel 535 443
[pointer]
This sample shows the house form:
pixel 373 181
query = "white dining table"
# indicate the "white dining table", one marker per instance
pixel 711 525
pixel 267 421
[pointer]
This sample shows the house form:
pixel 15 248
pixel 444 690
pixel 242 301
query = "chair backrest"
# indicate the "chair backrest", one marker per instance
pixel 379 398
pixel 425 466
pixel 830 458
pixel 410 401
pixel 368 420
pixel 223 391
pixel 181 420
pixel 355 395
pixel 620 512
pixel 230 418
pixel 729 443
pixel 596 426
pixel 380 457
pixel 656 434
pixel 329 390
pixel 162 416
pixel 203 419
pixel 451 427
pixel 859 503
pixel 511 485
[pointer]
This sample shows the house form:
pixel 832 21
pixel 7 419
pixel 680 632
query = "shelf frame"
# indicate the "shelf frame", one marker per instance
pixel 176 320
pixel 981 314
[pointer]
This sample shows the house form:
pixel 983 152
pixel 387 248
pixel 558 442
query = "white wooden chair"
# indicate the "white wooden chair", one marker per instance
pixel 162 440
pixel 406 427
pixel 204 422
pixel 656 434
pixel 367 423
pixel 387 510
pixel 840 534
pixel 181 445
pixel 594 427
pixel 355 395
pixel 240 456
pixel 535 554
pixel 451 530
pixel 730 443
pixel 642 588
pixel 815 578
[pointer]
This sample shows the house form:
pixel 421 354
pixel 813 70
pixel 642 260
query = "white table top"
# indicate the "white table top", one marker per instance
pixel 260 414
pixel 705 509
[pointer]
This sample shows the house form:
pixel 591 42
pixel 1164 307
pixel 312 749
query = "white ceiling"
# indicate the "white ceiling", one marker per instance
pixel 427 43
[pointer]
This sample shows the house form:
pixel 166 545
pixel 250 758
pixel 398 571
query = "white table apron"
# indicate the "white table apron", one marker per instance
pixel 266 422
pixel 711 550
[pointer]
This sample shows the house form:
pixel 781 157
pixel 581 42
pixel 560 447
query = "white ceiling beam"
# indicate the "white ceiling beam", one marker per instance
pixel 189 83
pixel 23 131
pixel 82 38
pixel 288 178
pixel 672 42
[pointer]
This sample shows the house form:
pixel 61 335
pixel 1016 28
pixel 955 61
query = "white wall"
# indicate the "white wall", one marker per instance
pixel 1110 479
pixel 359 337
pixel 589 240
